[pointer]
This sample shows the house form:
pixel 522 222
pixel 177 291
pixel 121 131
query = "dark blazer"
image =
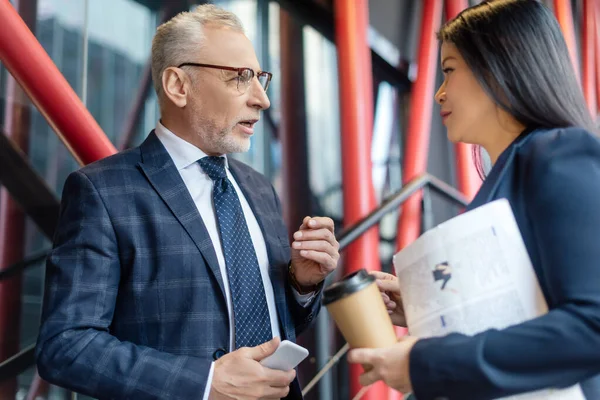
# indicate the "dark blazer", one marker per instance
pixel 134 304
pixel 552 180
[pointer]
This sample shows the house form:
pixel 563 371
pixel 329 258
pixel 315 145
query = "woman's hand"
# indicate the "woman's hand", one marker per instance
pixel 389 364
pixel 390 292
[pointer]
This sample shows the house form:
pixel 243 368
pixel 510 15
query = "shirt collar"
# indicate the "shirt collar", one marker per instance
pixel 182 152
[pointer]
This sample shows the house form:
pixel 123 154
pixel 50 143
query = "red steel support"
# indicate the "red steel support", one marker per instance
pixel 356 106
pixel 30 65
pixel 597 41
pixel 564 14
pixel 12 238
pixel 17 120
pixel 468 178
pixel 419 124
pixel 588 43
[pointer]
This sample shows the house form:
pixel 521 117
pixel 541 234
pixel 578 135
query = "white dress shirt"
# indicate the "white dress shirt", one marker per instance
pixel 185 156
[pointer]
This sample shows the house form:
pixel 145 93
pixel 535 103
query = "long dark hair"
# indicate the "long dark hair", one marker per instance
pixel 517 52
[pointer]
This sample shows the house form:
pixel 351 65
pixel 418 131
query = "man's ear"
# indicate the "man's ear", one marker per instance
pixel 176 86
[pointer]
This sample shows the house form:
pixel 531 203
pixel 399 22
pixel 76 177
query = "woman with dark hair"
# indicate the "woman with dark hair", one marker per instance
pixel 510 88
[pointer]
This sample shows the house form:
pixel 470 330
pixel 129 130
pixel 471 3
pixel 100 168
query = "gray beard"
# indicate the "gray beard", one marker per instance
pixel 227 143
pixel 223 142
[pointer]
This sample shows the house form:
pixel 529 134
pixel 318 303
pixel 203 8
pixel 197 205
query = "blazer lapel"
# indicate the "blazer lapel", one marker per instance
pixel 492 181
pixel 159 169
pixel 490 184
pixel 257 204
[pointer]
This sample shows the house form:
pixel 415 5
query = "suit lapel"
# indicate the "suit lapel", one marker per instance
pixel 492 181
pixel 257 204
pixel 159 169
pixel 488 188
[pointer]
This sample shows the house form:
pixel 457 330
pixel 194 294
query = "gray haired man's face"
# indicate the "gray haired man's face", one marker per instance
pixel 223 116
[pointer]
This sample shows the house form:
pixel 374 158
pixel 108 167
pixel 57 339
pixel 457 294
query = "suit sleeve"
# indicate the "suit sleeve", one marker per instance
pixel 302 313
pixel 75 348
pixel 562 347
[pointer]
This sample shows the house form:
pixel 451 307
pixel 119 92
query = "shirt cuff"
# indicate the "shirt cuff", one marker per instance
pixel 304 299
pixel 209 381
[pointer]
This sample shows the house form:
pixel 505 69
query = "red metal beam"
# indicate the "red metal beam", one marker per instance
pixel 12 246
pixel 469 181
pixel 419 124
pixel 356 107
pixel 597 41
pixel 33 69
pixel 588 43
pixel 17 120
pixel 564 14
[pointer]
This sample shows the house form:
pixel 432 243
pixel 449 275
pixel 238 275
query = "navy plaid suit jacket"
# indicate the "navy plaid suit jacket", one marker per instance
pixel 134 304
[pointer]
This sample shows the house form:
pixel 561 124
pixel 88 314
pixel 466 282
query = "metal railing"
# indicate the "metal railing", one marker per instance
pixel 394 201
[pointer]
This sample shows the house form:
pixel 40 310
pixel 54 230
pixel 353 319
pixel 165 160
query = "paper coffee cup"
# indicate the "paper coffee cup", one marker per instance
pixel 358 310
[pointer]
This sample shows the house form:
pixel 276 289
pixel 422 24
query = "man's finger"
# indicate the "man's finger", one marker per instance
pixel 321 222
pixel 319 257
pixel 276 378
pixel 304 223
pixel 264 350
pixel 275 392
pixel 316 245
pixel 315 234
pixel 317 223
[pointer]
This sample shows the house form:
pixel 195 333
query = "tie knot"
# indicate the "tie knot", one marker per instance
pixel 214 167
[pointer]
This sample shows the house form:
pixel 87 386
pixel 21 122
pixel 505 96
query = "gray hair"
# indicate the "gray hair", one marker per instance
pixel 182 35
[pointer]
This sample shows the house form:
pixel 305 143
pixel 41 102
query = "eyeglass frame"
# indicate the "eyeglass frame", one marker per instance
pixel 239 71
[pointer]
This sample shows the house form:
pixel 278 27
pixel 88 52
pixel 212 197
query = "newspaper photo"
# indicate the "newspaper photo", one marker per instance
pixel 470 274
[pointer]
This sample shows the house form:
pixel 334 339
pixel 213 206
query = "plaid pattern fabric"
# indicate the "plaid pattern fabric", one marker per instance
pixel 134 305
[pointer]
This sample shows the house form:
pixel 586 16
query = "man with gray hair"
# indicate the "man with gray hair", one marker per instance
pixel 171 275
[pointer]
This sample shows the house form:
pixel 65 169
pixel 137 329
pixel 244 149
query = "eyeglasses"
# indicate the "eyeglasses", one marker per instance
pixel 245 75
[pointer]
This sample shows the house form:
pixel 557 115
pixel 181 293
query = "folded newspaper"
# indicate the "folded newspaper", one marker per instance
pixel 470 274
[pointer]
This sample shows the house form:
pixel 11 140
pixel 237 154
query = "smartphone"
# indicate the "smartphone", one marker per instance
pixel 287 356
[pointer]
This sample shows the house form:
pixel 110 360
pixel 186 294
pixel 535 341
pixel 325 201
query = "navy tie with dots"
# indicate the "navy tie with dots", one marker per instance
pixel 250 311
